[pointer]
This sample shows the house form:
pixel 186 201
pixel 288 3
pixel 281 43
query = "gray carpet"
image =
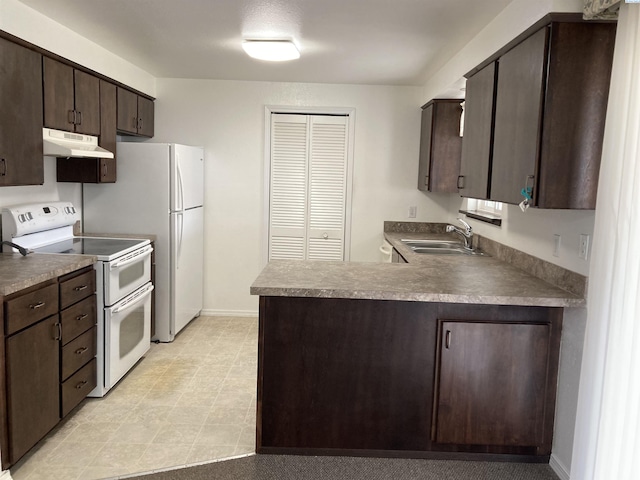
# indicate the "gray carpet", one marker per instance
pixel 290 467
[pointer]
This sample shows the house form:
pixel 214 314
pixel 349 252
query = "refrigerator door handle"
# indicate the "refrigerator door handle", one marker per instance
pixel 181 227
pixel 180 185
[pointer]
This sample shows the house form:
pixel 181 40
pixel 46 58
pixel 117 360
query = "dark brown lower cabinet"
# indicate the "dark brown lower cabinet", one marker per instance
pixel 491 384
pixel 374 377
pixel 33 391
pixel 48 358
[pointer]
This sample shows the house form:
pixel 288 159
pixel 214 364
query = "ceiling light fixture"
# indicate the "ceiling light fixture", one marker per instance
pixel 271 50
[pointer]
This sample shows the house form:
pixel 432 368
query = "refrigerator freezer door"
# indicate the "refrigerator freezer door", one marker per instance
pixel 187 183
pixel 187 258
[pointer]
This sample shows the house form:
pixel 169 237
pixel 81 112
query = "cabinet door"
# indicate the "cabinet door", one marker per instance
pixel 478 127
pixel 492 384
pixel 519 98
pixel 58 95
pixel 127 111
pixel 426 129
pixel 87 103
pixel 446 146
pixel 145 117
pixel 21 119
pixel 33 388
pixel 580 58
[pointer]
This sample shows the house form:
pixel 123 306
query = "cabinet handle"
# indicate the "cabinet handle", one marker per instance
pixel 79 118
pixel 71 117
pixel 104 170
pixel 325 235
pixel 35 306
pixel 530 178
pixel 58 334
pixel 460 181
pixel 140 123
pixel 426 180
pixel 81 384
pixel 80 351
pixel 82 317
pixel 3 172
pixel 80 288
pixel 447 339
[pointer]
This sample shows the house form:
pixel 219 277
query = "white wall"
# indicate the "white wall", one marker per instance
pixel 532 232
pixel 227 118
pixel 24 22
pixel 49 191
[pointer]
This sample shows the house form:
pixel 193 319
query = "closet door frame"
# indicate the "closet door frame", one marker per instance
pixel 345 111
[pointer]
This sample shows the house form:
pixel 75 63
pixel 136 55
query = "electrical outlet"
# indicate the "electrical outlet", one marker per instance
pixel 556 244
pixel 413 210
pixel 583 248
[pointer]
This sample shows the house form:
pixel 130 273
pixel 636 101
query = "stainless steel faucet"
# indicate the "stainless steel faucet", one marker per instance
pixel 466 233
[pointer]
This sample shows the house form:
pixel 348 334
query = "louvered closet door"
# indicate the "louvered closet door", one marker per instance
pixel 308 187
pixel 327 187
pixel 288 202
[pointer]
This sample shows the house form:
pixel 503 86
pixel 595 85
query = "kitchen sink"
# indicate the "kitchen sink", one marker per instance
pixel 439 247
pixel 432 243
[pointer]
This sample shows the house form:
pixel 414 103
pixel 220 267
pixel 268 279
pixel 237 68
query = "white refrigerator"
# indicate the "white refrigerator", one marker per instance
pixel 159 191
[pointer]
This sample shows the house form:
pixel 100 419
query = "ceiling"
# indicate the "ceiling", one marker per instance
pixel 381 42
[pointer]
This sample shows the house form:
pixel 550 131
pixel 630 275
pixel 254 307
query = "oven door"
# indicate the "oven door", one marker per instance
pixel 126 274
pixel 127 333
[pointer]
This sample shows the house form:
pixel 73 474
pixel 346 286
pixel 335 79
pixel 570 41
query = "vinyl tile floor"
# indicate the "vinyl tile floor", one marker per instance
pixel 189 401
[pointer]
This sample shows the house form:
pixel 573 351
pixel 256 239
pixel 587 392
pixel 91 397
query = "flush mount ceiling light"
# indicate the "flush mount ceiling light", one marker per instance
pixel 271 50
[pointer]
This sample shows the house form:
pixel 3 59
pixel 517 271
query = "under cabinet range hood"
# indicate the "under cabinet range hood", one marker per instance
pixel 66 144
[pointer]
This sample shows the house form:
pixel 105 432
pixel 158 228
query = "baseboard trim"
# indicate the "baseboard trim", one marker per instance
pixel 558 467
pixel 5 475
pixel 229 313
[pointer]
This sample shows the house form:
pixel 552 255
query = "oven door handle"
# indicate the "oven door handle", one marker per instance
pixel 133 301
pixel 127 260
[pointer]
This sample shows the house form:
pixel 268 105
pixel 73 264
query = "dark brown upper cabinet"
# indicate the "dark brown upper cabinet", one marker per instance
pixel 440 146
pixel 135 114
pixel 478 134
pixel 549 107
pixel 21 120
pixel 71 98
pixel 95 170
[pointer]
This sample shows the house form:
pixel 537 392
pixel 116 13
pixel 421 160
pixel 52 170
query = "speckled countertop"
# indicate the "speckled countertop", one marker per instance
pixel 18 272
pixel 426 278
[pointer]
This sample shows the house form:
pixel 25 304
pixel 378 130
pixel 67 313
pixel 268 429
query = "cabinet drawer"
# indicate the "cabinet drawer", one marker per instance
pixel 78 387
pixel 77 288
pixel 30 308
pixel 78 318
pixel 78 352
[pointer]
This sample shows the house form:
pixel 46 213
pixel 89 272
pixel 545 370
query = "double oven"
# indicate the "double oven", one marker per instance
pixel 123 281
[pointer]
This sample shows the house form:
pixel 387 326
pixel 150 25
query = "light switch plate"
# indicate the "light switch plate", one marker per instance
pixel 413 210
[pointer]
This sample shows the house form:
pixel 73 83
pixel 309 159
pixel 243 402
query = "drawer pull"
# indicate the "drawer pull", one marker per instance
pixel 82 317
pixel 79 288
pixel 34 306
pixel 81 384
pixel 80 351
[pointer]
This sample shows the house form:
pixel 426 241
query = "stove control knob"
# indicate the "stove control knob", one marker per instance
pixel 21 218
pixel 29 216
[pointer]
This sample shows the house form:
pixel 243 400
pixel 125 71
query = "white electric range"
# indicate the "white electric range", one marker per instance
pixel 123 281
